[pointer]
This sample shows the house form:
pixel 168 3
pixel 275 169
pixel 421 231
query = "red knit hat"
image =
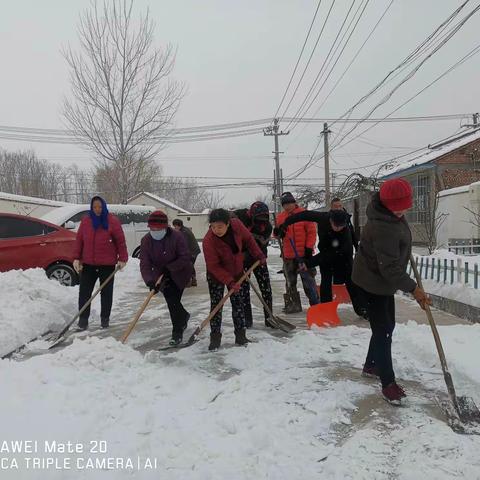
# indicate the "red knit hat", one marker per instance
pixel 396 194
pixel 158 219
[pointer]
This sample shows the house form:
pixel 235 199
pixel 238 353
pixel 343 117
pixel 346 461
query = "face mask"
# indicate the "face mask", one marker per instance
pixel 158 234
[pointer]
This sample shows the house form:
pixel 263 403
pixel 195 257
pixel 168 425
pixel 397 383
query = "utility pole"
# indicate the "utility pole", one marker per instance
pixel 273 131
pixel 326 155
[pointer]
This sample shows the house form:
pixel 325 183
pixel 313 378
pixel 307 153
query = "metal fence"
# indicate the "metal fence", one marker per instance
pixel 447 271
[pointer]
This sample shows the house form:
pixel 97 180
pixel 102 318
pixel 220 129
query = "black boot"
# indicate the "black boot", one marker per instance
pixel 240 337
pixel 105 322
pixel 215 340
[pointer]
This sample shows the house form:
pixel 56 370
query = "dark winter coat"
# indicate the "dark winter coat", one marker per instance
pixel 333 246
pixel 261 232
pixel 380 266
pixel 352 230
pixel 222 264
pixel 100 246
pixel 167 256
pixel 191 242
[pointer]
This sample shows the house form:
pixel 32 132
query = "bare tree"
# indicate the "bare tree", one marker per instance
pixel 431 221
pixel 123 99
pixel 475 218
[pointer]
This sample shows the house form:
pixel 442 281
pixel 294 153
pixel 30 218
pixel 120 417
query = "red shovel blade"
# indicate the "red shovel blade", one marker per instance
pixel 340 294
pixel 323 315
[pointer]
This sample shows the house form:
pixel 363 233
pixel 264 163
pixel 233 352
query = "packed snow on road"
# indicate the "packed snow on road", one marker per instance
pixel 287 406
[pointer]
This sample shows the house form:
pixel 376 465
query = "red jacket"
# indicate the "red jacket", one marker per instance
pixel 304 234
pixel 100 246
pixel 222 264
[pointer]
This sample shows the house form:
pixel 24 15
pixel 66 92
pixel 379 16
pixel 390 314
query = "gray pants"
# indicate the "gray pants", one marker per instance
pixel 290 270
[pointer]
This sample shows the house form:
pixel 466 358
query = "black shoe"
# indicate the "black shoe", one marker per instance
pixel 240 337
pixel 81 328
pixel 175 341
pixel 215 340
pixel 105 322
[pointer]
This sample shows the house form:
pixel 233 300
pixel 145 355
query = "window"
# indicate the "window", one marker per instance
pixel 421 199
pixel 77 218
pixel 11 227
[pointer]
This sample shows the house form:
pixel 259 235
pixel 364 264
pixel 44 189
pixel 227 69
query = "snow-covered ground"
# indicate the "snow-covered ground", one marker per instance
pixel 31 304
pixel 287 407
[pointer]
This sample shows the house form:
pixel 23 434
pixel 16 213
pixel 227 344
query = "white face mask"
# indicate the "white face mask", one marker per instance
pixel 158 234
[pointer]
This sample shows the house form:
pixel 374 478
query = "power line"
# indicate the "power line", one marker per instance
pixel 328 59
pixel 309 59
pixel 298 60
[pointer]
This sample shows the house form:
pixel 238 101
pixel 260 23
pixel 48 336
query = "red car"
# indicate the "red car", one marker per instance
pixel 27 242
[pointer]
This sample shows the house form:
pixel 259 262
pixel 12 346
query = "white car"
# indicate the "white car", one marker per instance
pixel 133 218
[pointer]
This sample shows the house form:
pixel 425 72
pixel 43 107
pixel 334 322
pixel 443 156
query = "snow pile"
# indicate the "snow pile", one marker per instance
pixel 32 304
pixel 282 408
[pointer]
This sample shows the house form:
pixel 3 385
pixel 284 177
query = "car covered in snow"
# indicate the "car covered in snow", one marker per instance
pixel 133 218
pixel 28 242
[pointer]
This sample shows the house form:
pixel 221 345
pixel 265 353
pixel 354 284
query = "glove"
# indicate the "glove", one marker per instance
pixel 282 230
pixel 235 286
pixel 153 286
pixel 121 265
pixel 308 252
pixel 77 266
pixel 421 297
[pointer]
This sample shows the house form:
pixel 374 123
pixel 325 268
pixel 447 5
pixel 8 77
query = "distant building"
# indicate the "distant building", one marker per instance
pixel 197 222
pixel 23 205
pixel 449 164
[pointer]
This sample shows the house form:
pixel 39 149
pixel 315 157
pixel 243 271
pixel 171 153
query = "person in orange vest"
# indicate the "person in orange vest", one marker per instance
pixel 301 237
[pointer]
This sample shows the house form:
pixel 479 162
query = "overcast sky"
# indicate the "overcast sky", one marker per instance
pixel 236 58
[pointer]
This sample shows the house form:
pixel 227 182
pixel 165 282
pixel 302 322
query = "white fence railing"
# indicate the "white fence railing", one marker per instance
pixel 447 271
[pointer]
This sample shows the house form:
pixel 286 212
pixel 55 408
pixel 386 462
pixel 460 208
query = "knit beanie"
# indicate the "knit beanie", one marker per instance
pixel 396 194
pixel 158 219
pixel 287 197
pixel 339 217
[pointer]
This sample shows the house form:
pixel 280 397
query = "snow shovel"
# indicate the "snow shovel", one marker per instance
pixel 339 293
pixel 140 312
pixel 323 315
pixel 59 337
pixel 465 409
pixel 278 322
pixel 196 333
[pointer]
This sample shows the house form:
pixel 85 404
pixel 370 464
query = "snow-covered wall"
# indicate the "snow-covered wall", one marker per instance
pixel 23 205
pixel 456 203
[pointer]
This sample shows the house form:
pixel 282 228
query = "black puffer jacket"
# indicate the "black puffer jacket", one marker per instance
pixel 380 266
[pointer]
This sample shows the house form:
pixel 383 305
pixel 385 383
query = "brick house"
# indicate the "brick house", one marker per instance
pixel 445 165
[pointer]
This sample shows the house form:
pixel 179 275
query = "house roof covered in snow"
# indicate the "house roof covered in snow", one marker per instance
pixel 161 200
pixel 35 200
pixel 434 153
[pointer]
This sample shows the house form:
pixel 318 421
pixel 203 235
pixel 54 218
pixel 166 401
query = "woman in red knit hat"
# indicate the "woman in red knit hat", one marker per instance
pixel 164 252
pixel 380 269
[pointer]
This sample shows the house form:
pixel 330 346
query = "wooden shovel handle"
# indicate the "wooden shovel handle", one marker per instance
pixel 227 296
pixel 140 312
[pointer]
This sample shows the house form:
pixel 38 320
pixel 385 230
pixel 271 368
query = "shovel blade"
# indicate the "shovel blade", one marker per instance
pixel 340 294
pixel 467 410
pixel 323 315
